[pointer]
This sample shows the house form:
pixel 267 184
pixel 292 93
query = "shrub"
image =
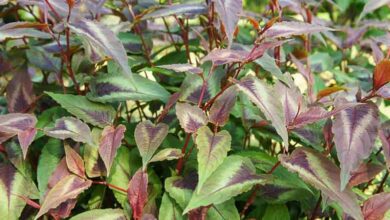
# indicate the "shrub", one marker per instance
pixel 220 109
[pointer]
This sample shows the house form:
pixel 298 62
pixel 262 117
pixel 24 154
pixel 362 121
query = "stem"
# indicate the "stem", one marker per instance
pixel 315 210
pixel 180 163
pixel 382 184
pixel 110 185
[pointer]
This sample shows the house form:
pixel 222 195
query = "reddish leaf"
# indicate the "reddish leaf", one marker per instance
pixel 137 193
pixel 364 173
pixel 376 207
pixel 290 28
pixel 74 162
pixel 384 135
pixel 14 123
pixel 109 143
pixel 220 110
pixel 381 74
pixel 20 94
pixel 25 139
pixel 328 91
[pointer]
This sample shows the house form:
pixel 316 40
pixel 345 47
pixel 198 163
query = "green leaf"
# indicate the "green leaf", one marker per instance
pixel 234 176
pixel 169 209
pixel 12 185
pixel 116 87
pixel 212 150
pixel 324 175
pixel 50 157
pixel 95 113
pixel 276 212
pixel 101 214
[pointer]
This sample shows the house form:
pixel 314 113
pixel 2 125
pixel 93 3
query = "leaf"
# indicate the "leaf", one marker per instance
pixel 355 130
pixel 276 212
pixel 262 95
pixel 191 117
pixel 94 165
pixel 234 176
pixel 50 157
pixel 372 5
pixel 225 56
pixel 22 29
pixel 74 162
pixel 321 173
pixel 384 136
pixel 70 127
pixel 67 188
pixel 212 150
pixel 178 9
pixel 220 110
pixel 376 207
pixel 290 28
pixel 14 123
pixel 148 138
pixel 229 12
pixel 114 88
pixel 20 93
pixel 25 139
pixel 104 39
pixel 169 209
pixel 40 58
pixel 12 185
pixel 110 141
pixel 95 113
pixel 364 173
pixel 381 74
pixel 101 214
pixel 328 91
pixel 167 154
pixel 137 193
pixel 182 68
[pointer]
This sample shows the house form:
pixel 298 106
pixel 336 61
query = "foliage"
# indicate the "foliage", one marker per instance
pixel 215 109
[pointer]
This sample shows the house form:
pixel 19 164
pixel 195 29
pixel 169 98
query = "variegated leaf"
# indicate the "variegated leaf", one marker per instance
pixel 234 176
pixel 137 193
pixel 262 95
pixel 104 39
pixel 101 214
pixel 191 117
pixel 355 130
pixel 229 12
pixel 220 110
pixel 26 138
pixel 22 29
pixel 14 123
pixel 167 154
pixel 182 68
pixel 291 28
pixel 364 173
pixel 12 185
pixel 324 175
pixel 148 138
pixel 94 165
pixel 225 56
pixel 178 9
pixel 212 150
pixel 70 127
pixel 67 188
pixel 110 141
pixel 74 162
pixel 113 88
pixel 91 112
pixel 376 207
pixel 20 93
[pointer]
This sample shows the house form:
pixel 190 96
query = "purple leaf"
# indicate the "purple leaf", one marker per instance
pixel 182 68
pixel 109 143
pixel 70 127
pixel 364 173
pixel 16 122
pixel 20 93
pixel 22 29
pixel 137 193
pixel 220 110
pixel 224 56
pixel 229 11
pixel 372 5
pixel 25 139
pixel 263 96
pixel 355 130
pixel 191 117
pixel 67 188
pixel 104 39
pixel 212 150
pixel 320 172
pixel 384 136
pixel 290 28
pixel 148 138
pixel 376 207
pixel 74 162
pixel 190 8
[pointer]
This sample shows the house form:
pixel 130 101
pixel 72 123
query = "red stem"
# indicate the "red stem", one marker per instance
pixel 110 185
pixel 180 163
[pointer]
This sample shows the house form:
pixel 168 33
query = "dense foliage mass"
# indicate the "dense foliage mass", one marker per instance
pixel 216 109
